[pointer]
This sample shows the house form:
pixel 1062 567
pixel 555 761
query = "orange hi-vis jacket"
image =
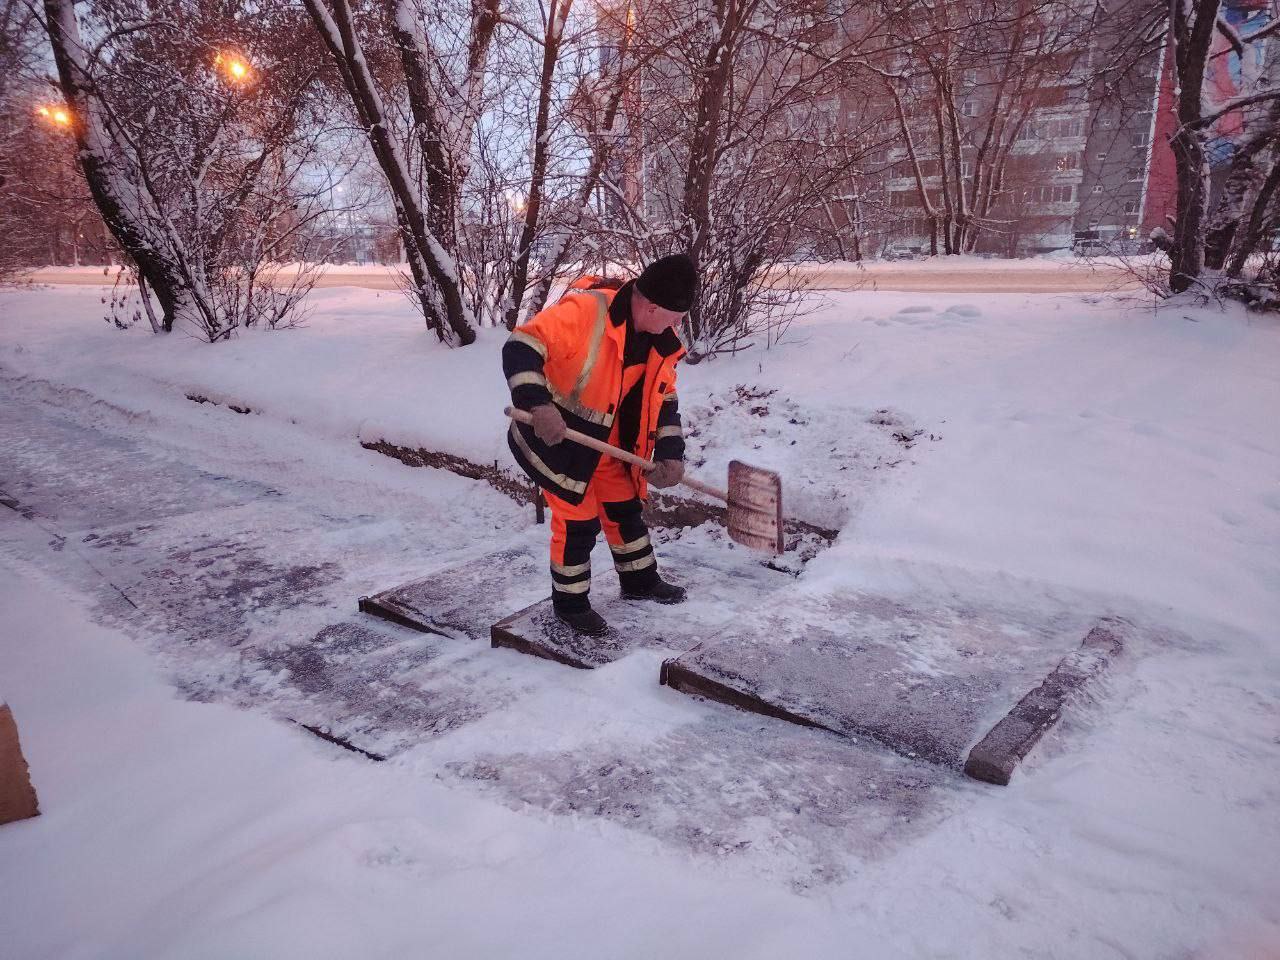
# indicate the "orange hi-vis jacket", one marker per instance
pixel 571 354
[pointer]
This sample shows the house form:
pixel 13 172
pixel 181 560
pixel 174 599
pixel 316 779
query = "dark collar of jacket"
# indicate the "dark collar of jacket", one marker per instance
pixel 665 343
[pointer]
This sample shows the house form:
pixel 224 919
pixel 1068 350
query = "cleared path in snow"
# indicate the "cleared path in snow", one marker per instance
pixel 246 550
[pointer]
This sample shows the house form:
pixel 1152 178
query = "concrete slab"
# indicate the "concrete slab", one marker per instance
pixel 997 755
pixel 926 680
pixel 374 688
pixel 720 585
pixel 633 625
pixel 46 473
pixel 475 599
pixel 465 599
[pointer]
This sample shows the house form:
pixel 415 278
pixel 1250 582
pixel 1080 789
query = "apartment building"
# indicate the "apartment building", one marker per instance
pixel 1082 149
pixel 1077 161
pixel 1093 159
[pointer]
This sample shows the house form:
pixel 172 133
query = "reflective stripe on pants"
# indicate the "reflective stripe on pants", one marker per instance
pixel 610 503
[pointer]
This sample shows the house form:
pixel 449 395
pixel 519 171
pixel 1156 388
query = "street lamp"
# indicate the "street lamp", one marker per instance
pixel 236 68
pixel 58 116
pixel 517 201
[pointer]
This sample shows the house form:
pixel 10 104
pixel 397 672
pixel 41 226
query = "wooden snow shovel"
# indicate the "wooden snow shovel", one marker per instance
pixel 754 500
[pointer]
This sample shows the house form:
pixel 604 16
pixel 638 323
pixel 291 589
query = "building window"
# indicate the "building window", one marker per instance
pixel 1097 188
pixel 1134 173
pixel 1101 157
pixel 969 108
pixel 1066 127
pixel 1131 206
pixel 1068 161
pixel 1060 194
pixel 1139 139
pixel 970 77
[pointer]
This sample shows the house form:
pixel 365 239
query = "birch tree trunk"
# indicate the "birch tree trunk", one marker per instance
pixel 1247 173
pixel 1262 214
pixel 1192 25
pixel 557 15
pixel 437 285
pixel 112 179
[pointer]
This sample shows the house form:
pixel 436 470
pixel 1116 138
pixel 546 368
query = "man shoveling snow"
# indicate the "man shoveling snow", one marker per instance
pixel 602 361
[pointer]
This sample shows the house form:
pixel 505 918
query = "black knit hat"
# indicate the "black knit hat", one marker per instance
pixel 671 282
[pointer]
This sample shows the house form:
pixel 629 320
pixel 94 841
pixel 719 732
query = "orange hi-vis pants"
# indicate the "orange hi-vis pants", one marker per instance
pixel 611 503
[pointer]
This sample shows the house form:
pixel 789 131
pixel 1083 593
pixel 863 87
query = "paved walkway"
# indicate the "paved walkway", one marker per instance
pixel 240 554
pixel 985 276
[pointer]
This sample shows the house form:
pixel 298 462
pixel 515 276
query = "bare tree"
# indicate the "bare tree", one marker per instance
pixel 1201 241
pixel 46 215
pixel 595 112
pixel 966 82
pixel 740 125
pixel 195 151
pixel 443 87
pixel 555 20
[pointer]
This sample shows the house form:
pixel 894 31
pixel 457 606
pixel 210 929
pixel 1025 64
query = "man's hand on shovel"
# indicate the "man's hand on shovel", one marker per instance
pixel 754 496
pixel 666 473
pixel 548 424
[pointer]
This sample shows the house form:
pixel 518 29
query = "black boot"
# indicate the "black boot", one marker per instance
pixel 655 589
pixel 585 621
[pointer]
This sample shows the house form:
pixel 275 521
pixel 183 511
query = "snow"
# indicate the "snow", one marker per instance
pixel 177 829
pixel 1071 434
pixel 242 837
pixel 1095 455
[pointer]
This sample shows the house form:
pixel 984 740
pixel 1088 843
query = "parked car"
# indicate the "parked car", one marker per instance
pixel 899 251
pixel 1109 240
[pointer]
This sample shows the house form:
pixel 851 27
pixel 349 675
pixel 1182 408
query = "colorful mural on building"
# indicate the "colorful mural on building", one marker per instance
pixel 1231 75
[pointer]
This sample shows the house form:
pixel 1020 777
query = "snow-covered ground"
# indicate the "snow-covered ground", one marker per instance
pixel 1062 452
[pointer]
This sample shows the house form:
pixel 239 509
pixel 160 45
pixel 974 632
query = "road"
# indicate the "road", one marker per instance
pixel 968 276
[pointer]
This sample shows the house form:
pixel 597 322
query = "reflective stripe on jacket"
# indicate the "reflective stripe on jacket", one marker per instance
pixel 571 354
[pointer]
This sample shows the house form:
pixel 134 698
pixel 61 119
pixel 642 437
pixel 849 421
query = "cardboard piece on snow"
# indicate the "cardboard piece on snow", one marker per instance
pixel 17 796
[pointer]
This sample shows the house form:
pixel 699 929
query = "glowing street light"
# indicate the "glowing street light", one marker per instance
pixel 57 116
pixel 235 68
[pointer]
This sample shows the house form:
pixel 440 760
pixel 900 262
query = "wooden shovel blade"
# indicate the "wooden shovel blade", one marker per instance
pixel 755 507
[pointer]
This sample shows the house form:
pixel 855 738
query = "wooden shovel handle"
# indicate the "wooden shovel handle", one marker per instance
pixel 706 488
pixel 623 455
pixel 586 441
